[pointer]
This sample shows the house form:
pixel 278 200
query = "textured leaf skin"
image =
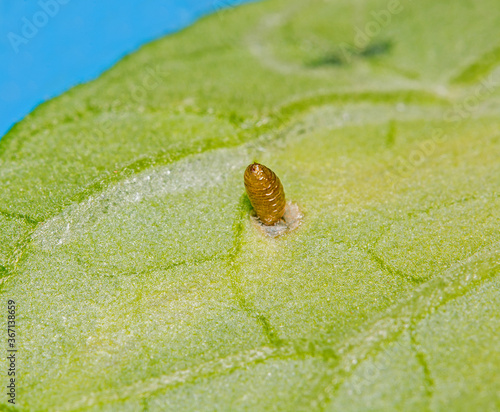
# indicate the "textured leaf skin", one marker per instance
pixel 141 283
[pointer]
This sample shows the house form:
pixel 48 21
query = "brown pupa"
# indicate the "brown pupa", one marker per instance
pixel 265 192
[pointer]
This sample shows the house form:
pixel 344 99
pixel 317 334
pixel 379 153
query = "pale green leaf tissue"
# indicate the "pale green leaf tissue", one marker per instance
pixel 141 283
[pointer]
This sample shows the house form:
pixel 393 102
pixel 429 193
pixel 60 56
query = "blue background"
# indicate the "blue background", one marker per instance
pixel 48 46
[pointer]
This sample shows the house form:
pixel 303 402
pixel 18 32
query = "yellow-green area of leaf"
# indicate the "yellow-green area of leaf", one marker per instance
pixel 140 281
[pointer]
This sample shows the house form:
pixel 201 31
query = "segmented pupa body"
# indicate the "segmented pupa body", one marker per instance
pixel 265 192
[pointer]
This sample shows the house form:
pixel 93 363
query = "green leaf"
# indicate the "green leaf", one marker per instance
pixel 140 282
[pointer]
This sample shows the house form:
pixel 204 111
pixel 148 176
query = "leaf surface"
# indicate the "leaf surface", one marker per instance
pixel 140 281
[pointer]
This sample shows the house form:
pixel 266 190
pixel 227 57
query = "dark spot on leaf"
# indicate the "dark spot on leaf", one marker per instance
pixel 376 49
pixel 346 56
pixel 329 59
